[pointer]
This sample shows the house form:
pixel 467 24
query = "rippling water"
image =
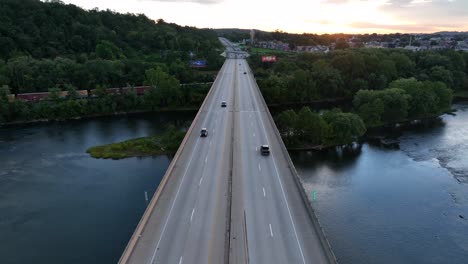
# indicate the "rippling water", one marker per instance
pixel 58 205
pixel 396 206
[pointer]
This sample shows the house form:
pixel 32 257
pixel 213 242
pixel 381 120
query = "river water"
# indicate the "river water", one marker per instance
pixel 58 205
pixel 395 206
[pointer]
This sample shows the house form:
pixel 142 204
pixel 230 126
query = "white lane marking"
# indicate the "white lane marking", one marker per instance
pixel 271 231
pixel 256 148
pixel 210 142
pixel 282 189
pixel 180 185
pixel 254 134
pixel 180 260
pixel 193 211
pixel 201 179
pixel 259 168
pixel 173 203
pixel 206 159
pixel 264 193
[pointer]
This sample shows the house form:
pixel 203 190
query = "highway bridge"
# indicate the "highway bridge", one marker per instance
pixel 221 201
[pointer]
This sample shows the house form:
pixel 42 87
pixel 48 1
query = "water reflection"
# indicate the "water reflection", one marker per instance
pixel 380 205
pixel 58 205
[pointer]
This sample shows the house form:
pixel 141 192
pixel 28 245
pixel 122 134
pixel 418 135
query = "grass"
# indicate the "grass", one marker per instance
pixel 166 143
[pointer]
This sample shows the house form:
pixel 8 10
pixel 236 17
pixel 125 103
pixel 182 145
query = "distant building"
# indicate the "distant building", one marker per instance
pixel 317 48
pixel 412 48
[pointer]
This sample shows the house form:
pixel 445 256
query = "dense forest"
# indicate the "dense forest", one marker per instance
pixel 307 77
pixel 165 93
pixel 50 44
pixel 386 86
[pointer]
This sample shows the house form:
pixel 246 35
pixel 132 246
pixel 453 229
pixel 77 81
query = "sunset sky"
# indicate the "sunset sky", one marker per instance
pixel 298 16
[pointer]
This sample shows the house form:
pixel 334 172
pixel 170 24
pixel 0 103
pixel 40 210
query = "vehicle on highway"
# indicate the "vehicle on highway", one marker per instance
pixel 265 150
pixel 223 104
pixel 203 132
pixel 245 72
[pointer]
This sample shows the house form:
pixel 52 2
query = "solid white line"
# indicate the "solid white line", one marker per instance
pixel 193 211
pixel 271 231
pixel 264 193
pixel 201 179
pixel 282 189
pixel 180 260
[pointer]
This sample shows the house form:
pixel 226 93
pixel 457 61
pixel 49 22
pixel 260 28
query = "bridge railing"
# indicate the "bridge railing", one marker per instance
pixel 149 210
pixel 315 221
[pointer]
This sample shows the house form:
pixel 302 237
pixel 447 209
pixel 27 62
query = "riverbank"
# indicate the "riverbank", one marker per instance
pixel 384 136
pixel 166 143
pixel 136 112
pixel 460 96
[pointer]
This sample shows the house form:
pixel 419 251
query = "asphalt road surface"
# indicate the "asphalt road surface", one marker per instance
pixel 223 200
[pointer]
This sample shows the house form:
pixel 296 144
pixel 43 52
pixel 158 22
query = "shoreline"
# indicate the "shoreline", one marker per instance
pixel 37 121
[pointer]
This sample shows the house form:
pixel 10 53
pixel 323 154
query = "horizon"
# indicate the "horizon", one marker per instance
pixel 301 16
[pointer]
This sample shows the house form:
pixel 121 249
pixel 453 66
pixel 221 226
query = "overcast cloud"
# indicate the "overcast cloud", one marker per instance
pixel 315 16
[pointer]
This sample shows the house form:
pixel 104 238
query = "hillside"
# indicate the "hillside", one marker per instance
pixel 45 45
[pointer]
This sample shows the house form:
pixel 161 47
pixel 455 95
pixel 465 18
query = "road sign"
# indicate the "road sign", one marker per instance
pixel 268 58
pixel 198 63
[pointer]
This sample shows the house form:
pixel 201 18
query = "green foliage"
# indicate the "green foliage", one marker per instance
pixel 331 128
pixel 166 143
pixel 406 98
pixel 108 50
pixel 46 45
pixel 369 107
pixel 344 128
pixel 306 77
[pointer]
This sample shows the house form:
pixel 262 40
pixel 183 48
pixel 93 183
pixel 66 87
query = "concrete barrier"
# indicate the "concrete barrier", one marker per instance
pixel 315 221
pixel 149 210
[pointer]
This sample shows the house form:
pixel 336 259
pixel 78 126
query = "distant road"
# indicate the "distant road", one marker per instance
pixel 221 201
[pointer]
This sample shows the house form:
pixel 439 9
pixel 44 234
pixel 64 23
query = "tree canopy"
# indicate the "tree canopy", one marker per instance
pixel 48 44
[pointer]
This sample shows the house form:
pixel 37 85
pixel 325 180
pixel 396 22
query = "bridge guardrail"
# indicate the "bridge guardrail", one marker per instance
pixel 316 222
pixel 149 210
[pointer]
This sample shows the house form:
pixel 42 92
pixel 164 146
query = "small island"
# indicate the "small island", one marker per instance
pixel 166 143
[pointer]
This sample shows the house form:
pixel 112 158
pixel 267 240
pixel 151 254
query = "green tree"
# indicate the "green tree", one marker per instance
pixel 4 104
pixel 108 50
pixel 72 93
pixel 54 94
pixel 369 107
pixel 344 128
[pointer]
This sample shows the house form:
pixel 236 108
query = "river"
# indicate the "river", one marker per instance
pixel 410 205
pixel 58 205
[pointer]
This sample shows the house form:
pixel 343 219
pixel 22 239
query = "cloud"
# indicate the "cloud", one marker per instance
pixel 407 28
pixel 202 2
pixel 335 1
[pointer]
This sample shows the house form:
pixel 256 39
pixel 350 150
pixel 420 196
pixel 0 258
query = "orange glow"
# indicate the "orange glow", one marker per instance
pixel 297 16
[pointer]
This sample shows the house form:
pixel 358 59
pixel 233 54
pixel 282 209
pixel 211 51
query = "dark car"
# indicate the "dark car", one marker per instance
pixel 203 132
pixel 245 72
pixel 223 104
pixel 265 150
